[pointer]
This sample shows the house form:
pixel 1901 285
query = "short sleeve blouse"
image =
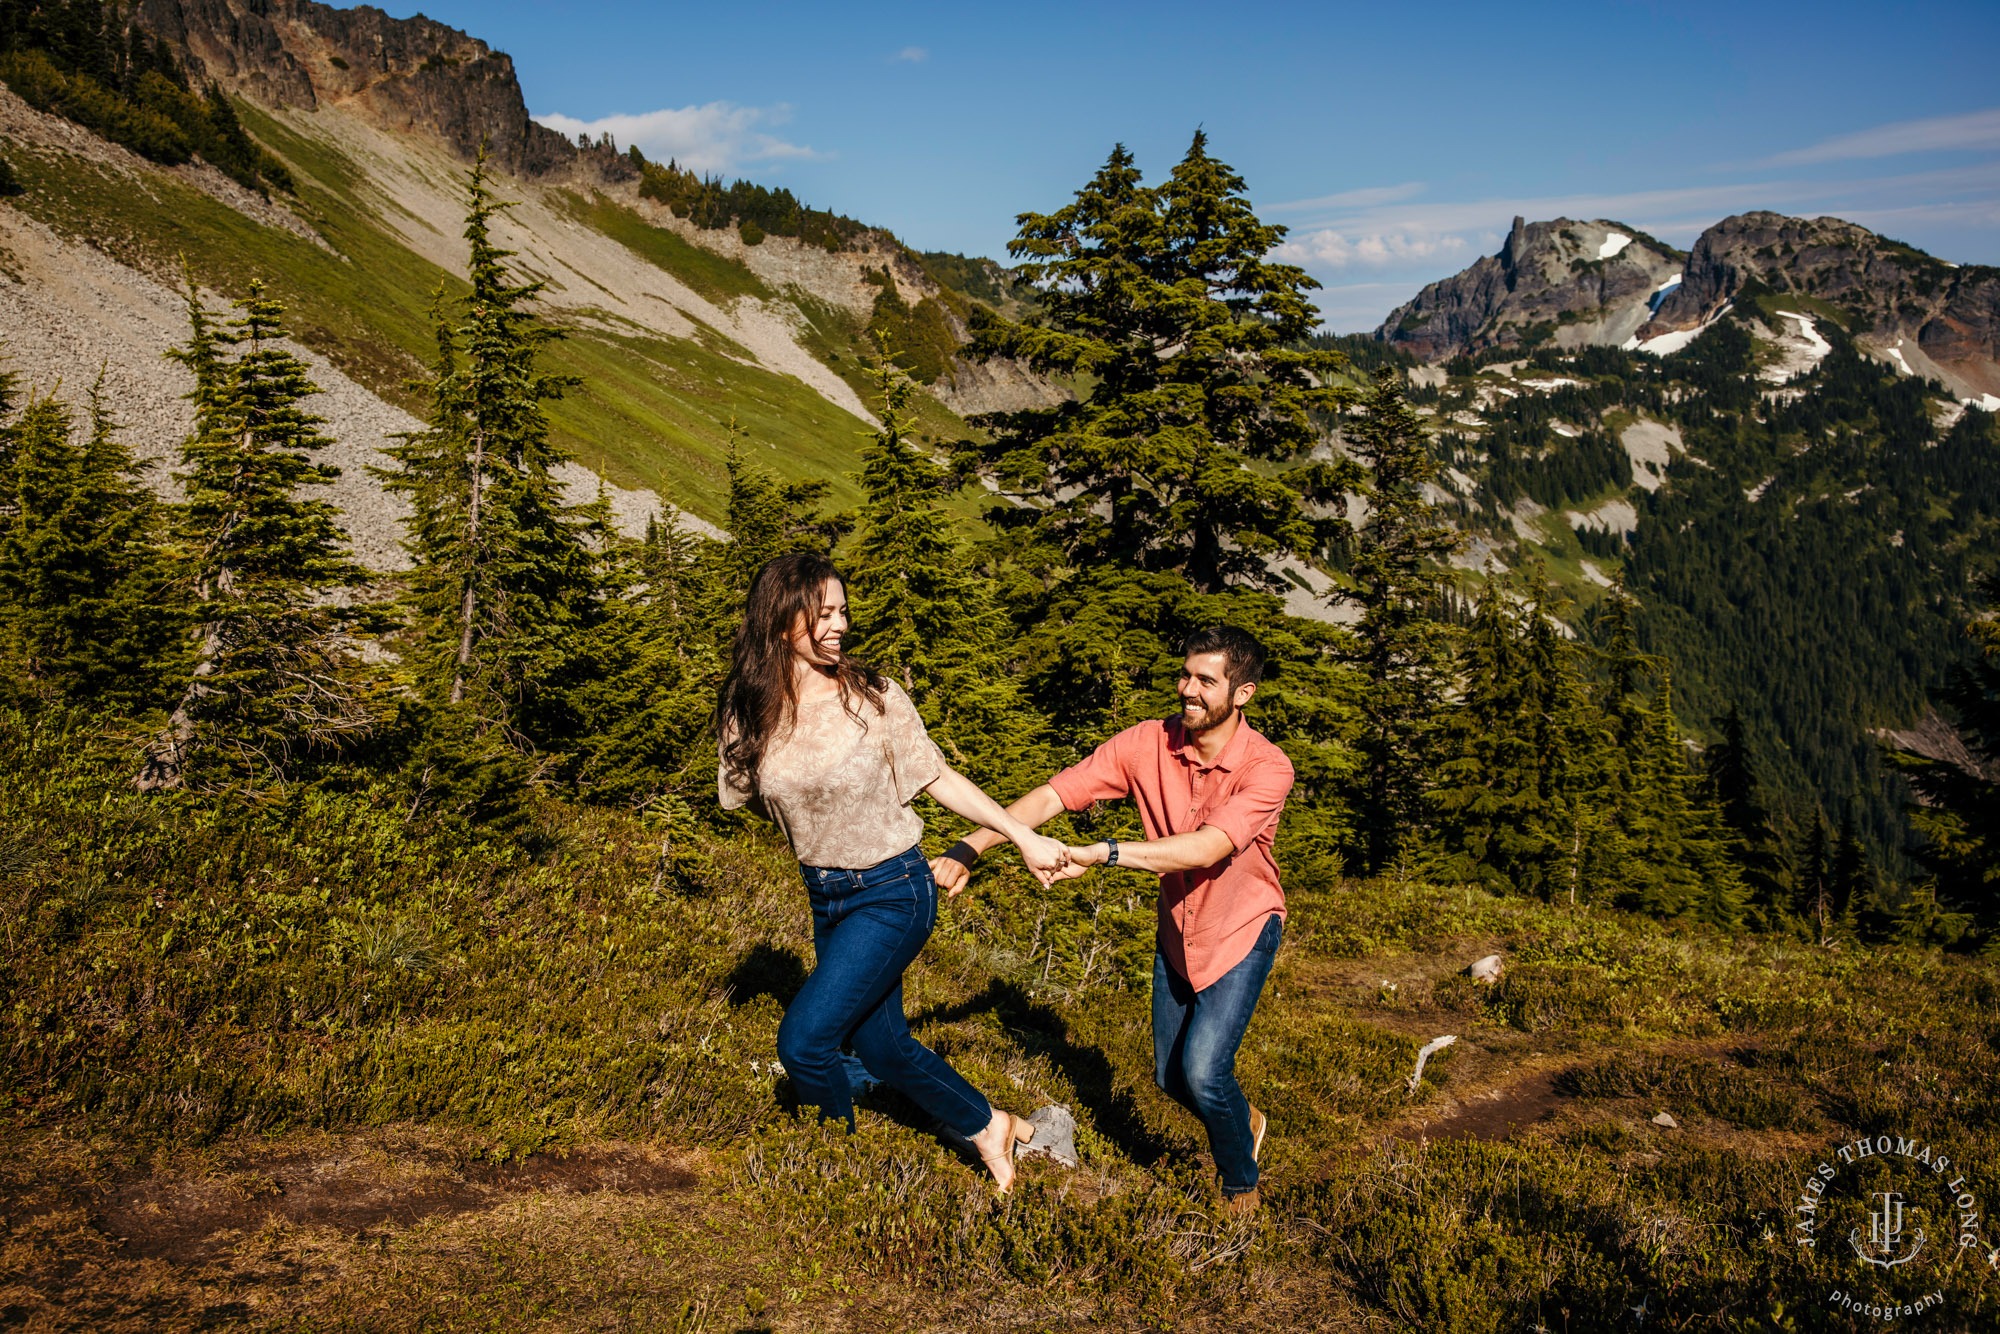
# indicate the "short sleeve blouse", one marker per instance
pixel 840 785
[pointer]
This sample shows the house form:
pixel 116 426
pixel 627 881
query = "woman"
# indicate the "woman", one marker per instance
pixel 834 753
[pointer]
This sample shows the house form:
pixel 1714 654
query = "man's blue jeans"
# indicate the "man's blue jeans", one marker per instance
pixel 867 928
pixel 1195 1037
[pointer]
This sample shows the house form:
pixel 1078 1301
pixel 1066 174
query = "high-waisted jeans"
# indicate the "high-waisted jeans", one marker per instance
pixel 868 926
pixel 1195 1037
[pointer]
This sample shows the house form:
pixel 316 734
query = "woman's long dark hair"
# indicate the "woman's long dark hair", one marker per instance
pixel 761 695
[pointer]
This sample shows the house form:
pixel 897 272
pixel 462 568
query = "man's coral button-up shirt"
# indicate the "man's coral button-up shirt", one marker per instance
pixel 1209 918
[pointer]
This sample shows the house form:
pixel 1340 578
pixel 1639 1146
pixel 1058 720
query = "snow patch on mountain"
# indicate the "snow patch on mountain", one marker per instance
pixel 1651 446
pixel 1799 345
pixel 1613 516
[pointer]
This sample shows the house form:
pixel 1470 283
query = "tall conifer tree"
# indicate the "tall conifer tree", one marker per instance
pixel 272 679
pixel 1167 300
pixel 926 616
pixel 1959 818
pixel 1755 842
pixel 505 590
pixel 1402 649
pixel 1512 791
pixel 81 584
pixel 502 571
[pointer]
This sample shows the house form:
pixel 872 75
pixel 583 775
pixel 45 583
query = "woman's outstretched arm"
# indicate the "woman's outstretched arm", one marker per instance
pixel 963 797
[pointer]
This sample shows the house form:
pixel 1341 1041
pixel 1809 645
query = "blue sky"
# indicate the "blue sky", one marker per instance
pixel 1396 141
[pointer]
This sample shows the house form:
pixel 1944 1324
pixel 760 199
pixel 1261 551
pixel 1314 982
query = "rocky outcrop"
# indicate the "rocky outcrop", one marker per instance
pixel 1575 282
pixel 1892 291
pixel 413 75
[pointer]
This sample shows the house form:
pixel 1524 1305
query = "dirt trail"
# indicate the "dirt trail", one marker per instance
pixel 350 1186
pixel 1529 1093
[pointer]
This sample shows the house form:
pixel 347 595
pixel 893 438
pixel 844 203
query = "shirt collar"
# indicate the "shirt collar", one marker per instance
pixel 1232 754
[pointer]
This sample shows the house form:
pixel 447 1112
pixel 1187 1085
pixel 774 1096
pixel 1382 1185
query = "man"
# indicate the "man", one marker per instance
pixel 1209 790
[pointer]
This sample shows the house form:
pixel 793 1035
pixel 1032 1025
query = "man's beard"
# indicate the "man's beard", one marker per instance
pixel 1210 721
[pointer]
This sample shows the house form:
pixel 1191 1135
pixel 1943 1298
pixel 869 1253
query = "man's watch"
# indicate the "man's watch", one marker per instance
pixel 962 853
pixel 1111 857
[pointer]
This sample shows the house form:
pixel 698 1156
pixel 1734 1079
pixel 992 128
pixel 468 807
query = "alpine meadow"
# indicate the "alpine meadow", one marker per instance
pixel 383 479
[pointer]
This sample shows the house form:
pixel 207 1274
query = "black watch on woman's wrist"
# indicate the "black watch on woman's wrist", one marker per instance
pixel 1111 857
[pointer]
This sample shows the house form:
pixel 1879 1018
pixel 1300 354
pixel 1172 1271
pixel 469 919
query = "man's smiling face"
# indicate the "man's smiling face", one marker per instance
pixel 1206 699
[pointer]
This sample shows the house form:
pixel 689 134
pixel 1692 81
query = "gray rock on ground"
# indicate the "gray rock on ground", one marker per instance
pixel 1055 1135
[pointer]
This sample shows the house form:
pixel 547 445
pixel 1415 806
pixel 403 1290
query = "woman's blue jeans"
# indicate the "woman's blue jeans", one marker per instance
pixel 1195 1037
pixel 868 926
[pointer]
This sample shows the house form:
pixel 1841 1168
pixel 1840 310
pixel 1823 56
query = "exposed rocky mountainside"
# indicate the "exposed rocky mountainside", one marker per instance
pixel 1576 284
pixel 1935 318
pixel 410 74
pixel 678 330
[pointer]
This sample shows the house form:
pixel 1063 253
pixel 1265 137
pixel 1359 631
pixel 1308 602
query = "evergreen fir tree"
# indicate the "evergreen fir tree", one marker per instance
pixel 925 615
pixel 1755 843
pixel 1165 300
pixel 1676 846
pixel 1851 877
pixel 1814 886
pixel 81 596
pixel 1959 816
pixel 644 707
pixel 1402 649
pixel 504 593
pixel 766 517
pixel 272 680
pixel 1510 795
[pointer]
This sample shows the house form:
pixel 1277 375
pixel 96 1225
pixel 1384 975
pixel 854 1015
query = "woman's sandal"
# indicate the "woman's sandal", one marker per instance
pixel 1019 1132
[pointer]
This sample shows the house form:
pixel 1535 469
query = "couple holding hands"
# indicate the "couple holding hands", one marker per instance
pixel 833 752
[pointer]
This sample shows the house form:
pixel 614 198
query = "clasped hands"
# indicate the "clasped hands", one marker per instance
pixel 1048 859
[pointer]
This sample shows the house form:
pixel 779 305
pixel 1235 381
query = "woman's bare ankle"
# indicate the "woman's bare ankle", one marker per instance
pixel 992 1141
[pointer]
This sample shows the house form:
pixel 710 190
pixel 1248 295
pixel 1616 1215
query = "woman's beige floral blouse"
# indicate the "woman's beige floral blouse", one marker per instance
pixel 840 786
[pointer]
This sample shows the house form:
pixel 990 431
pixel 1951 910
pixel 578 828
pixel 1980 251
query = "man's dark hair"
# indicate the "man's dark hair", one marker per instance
pixel 1242 654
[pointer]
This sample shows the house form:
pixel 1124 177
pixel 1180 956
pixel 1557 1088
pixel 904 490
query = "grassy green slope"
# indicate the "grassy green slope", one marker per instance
pixel 264 1044
pixel 652 411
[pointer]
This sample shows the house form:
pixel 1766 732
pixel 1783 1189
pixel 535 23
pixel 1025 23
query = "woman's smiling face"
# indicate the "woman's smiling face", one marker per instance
pixel 819 642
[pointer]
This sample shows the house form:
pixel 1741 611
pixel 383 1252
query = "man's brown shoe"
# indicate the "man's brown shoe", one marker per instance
pixel 1244 1205
pixel 1257 1127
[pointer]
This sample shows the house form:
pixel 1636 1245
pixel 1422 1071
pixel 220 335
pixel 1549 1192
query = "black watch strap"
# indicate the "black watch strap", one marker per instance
pixel 962 853
pixel 1112 858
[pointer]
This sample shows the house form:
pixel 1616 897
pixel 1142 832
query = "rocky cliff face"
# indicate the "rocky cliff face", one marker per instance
pixel 1590 282
pixel 1895 294
pixel 1918 312
pixel 411 74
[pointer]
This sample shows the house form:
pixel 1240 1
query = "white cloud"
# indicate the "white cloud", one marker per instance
pixel 1678 213
pixel 1328 248
pixel 1374 194
pixel 1974 130
pixel 713 137
pixel 916 55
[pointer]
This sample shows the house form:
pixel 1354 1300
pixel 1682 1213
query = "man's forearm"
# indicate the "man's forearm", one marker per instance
pixel 1038 806
pixel 1194 851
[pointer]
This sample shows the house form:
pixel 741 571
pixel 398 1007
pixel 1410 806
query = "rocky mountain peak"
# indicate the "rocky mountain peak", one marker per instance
pixel 1577 281
pixel 414 75
pixel 1941 318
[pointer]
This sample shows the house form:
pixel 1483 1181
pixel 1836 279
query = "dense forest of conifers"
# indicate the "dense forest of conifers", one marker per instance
pixel 534 655
pixel 1811 568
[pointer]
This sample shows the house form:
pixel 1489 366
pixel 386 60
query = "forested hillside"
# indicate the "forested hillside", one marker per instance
pixel 311 149
pixel 1799 521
